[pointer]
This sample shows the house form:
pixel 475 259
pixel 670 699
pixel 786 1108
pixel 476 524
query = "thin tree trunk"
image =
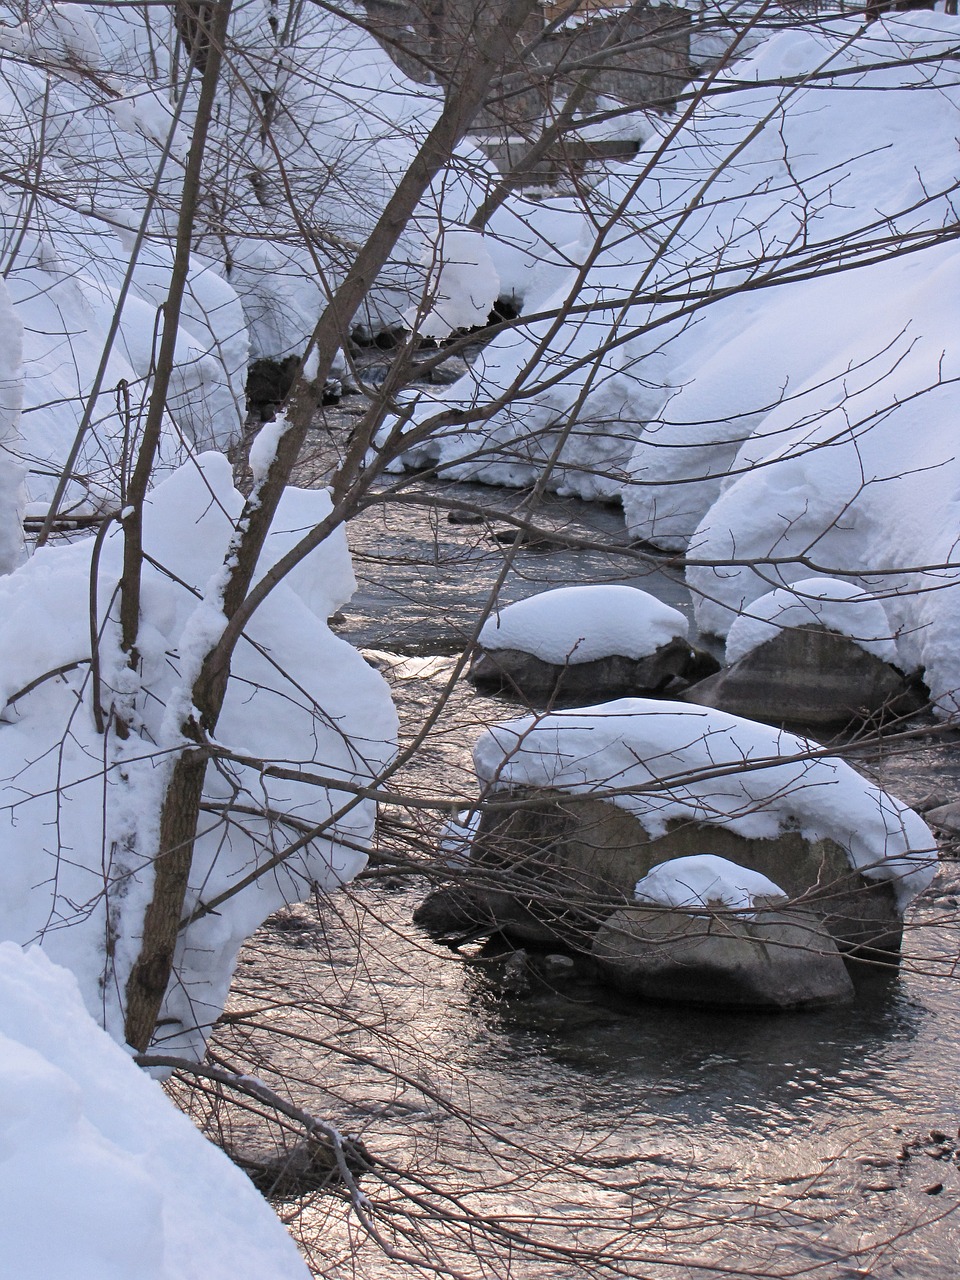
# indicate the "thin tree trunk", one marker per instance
pixel 181 806
pixel 132 515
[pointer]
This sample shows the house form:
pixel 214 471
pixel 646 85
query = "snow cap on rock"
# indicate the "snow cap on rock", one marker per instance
pixel 705 880
pixel 670 761
pixel 583 624
pixel 825 602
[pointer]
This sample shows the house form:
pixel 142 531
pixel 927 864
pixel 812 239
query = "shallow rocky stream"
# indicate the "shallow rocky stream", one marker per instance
pixel 669 1141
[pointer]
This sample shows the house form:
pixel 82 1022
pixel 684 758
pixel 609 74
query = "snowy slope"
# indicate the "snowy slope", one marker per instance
pixel 79 810
pixel 101 1178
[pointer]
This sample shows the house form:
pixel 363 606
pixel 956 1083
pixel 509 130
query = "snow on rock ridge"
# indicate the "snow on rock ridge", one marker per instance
pixel 668 761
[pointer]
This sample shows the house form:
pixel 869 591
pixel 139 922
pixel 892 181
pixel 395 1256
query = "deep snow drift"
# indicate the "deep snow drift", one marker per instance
pixel 746 403
pixel 80 809
pixel 101 1177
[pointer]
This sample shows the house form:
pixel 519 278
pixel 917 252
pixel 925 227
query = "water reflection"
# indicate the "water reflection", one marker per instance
pixel 679 1142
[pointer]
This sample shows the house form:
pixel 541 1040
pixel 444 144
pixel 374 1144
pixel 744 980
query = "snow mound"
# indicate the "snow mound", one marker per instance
pixel 101 1177
pixel 825 602
pixel 667 761
pixel 705 880
pixel 582 624
pixel 79 809
pixel 462 285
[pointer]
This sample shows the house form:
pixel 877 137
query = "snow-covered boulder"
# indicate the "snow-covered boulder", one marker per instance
pixel 710 932
pixel 818 653
pixel 576 644
pixel 580 805
pixel 830 603
pixel 101 1177
pixel 811 676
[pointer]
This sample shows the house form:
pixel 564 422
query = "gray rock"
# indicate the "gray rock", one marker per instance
pixel 451 910
pixel 448 371
pixel 775 959
pixel 538 683
pixel 554 865
pixel 811 676
pixel 946 817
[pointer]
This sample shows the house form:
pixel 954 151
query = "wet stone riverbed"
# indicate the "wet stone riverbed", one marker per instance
pixel 536 1135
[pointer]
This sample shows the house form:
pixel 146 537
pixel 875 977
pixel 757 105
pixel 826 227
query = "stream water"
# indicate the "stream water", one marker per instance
pixel 661 1141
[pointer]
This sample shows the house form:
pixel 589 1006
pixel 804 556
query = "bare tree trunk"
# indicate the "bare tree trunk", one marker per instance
pixel 132 515
pixel 491 40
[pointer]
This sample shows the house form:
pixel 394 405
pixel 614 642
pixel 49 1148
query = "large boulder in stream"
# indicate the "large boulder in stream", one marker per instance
pixel 577 644
pixel 819 652
pixel 707 932
pixel 581 805
pixel 810 676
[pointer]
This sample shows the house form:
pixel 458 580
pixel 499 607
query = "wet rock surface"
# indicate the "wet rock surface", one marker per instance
pixel 529 679
pixel 772 959
pixel 811 676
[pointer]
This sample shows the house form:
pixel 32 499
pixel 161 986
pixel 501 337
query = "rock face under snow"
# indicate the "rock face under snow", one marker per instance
pixel 528 678
pixel 582 805
pixel 812 676
pixel 560 863
pixel 576 644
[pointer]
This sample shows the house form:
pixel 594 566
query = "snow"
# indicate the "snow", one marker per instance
pixel 263 448
pixel 65 262
pixel 345 124
pixel 79 812
pixel 101 1178
pixel 582 624
pixel 668 761
pixel 11 470
pixel 705 880
pixel 825 602
pixel 462 285
pixel 795 421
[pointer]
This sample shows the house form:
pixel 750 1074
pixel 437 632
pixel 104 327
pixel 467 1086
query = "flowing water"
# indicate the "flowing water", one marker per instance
pixel 538 1134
